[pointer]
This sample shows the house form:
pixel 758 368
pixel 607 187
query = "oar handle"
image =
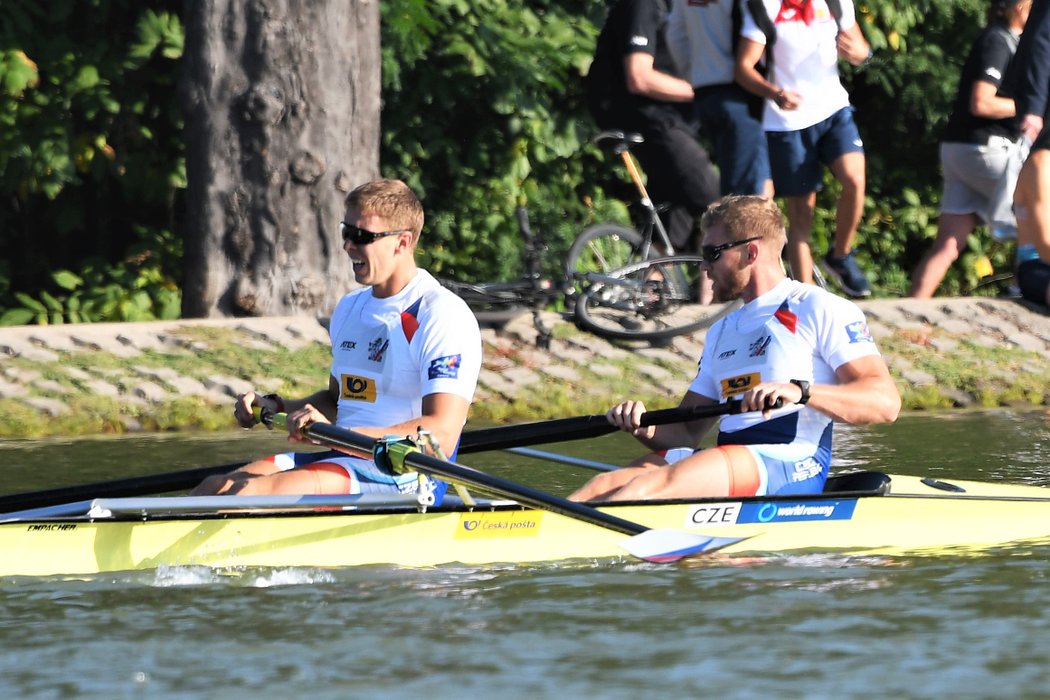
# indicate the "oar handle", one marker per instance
pixel 581 427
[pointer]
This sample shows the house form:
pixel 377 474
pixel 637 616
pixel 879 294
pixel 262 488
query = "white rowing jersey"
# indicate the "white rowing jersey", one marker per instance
pixel 387 354
pixel 793 331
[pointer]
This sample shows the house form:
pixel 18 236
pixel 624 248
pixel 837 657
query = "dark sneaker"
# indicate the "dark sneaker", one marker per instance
pixel 847 274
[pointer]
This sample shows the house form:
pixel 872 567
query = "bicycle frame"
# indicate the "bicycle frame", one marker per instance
pixel 653 223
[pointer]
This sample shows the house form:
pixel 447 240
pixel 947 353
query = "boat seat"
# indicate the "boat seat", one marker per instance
pixel 867 481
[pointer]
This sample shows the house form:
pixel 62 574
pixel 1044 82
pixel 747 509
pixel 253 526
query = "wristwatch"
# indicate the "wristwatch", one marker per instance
pixel 804 386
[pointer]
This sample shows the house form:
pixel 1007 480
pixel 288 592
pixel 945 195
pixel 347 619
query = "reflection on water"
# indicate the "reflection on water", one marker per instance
pixel 809 625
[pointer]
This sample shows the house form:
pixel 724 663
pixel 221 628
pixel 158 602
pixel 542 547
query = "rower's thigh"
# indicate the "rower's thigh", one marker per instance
pixel 728 470
pixel 318 478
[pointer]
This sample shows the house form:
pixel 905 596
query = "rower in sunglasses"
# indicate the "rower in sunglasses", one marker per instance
pixel 791 344
pixel 406 354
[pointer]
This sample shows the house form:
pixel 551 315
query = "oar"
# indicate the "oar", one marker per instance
pixel 564 459
pixel 119 488
pixel 580 427
pixel 656 545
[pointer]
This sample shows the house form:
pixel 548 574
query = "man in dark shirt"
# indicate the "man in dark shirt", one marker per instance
pixel 634 85
pixel 978 143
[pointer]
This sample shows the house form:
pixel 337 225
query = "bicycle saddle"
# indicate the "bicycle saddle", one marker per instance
pixel 617 141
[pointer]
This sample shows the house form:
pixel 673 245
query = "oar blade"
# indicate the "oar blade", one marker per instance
pixel 665 545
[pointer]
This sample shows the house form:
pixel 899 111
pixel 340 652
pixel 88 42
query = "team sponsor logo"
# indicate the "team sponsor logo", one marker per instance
pixel 727 354
pixel 796 511
pixel 732 386
pixel 51 527
pixel 348 345
pixel 444 367
pixel 377 349
pixel 639 40
pixel 475 526
pixel 858 332
pixel 355 388
pixel 713 514
pixel 806 469
pixel 758 348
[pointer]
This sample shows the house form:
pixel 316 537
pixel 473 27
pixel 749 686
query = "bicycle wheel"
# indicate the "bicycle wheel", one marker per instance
pixel 602 248
pixel 494 304
pixel 651 300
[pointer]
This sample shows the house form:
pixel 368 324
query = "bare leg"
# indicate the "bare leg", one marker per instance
pixel 709 473
pixel 1032 204
pixel 952 232
pixel 298 481
pixel 601 487
pixel 848 169
pixel 233 482
pixel 800 223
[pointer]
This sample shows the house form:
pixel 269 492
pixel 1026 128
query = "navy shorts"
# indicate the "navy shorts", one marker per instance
pixel 1033 277
pixel 796 156
pixel 736 137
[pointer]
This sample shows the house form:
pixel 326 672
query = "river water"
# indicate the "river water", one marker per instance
pixel 811 626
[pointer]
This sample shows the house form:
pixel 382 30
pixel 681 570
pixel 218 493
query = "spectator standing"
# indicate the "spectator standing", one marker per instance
pixel 1031 87
pixel 633 85
pixel 702 36
pixel 977 143
pixel 808 122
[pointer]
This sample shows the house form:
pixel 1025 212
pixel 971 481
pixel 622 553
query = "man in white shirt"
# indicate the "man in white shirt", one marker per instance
pixel 406 354
pixel 809 122
pixel 790 341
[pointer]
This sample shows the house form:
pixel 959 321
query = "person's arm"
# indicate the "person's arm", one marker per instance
pixel 1032 92
pixel 324 402
pixel 628 415
pixel 443 415
pixel 320 407
pixel 644 79
pixel 984 102
pixel 746 74
pixel 865 393
pixel 1031 125
pixel 852 45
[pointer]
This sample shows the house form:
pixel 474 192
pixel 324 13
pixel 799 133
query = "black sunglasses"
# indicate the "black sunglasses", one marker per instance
pixel 361 236
pixel 710 253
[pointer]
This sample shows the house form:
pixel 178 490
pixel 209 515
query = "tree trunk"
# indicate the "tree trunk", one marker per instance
pixel 282 120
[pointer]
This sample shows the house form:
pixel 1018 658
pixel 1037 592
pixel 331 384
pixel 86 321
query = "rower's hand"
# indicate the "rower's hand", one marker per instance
pixel 297 420
pixel 242 409
pixel 766 397
pixel 628 416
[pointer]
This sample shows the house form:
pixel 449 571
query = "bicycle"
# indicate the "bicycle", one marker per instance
pixel 608 248
pixel 653 299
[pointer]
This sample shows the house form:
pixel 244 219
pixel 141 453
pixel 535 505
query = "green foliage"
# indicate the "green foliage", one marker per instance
pixel 91 161
pixel 483 110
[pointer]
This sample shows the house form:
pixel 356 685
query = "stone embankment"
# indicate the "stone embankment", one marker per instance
pixel 943 353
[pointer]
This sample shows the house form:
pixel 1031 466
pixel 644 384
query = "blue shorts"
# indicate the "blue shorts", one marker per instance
pixel 783 469
pixel 796 156
pixel 791 471
pixel 364 475
pixel 736 137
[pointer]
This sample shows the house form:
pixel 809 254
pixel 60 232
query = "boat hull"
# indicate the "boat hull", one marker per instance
pixel 912 519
